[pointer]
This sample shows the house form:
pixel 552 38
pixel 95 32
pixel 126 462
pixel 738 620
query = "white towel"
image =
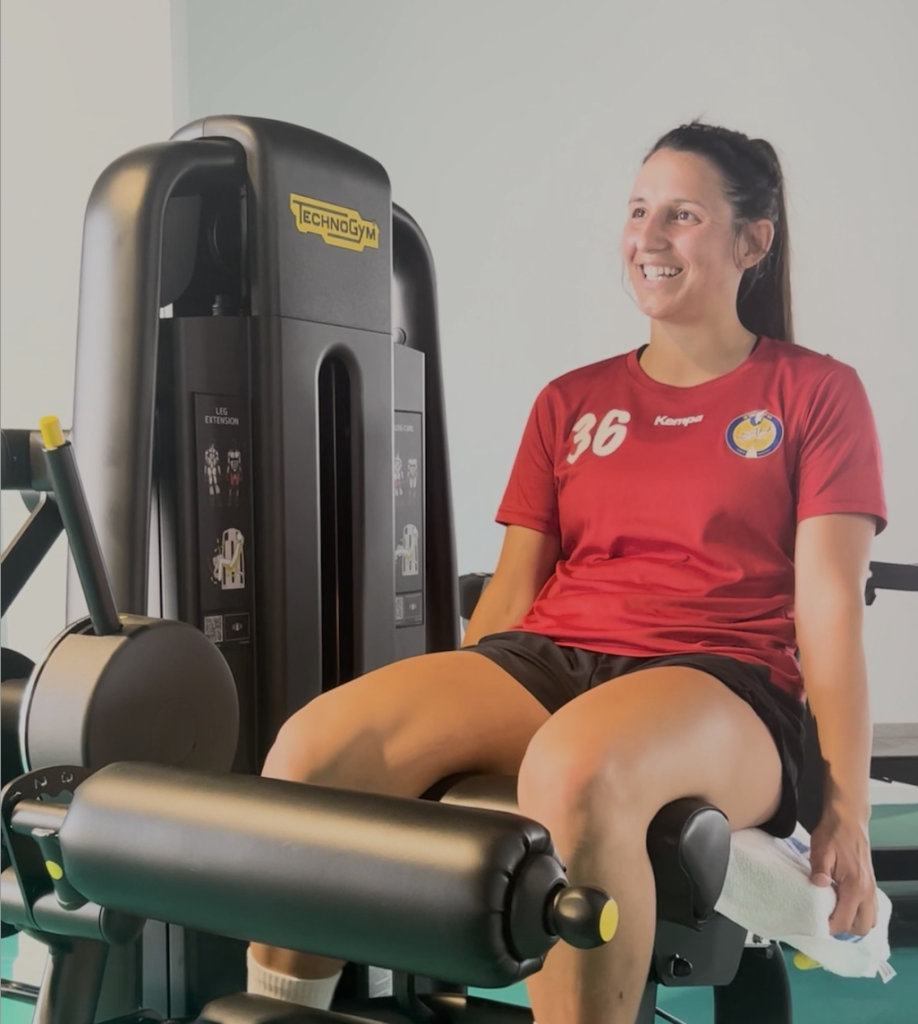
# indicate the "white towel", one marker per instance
pixel 768 892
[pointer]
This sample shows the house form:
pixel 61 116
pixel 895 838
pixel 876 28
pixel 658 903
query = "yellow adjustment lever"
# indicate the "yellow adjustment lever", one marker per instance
pixel 51 434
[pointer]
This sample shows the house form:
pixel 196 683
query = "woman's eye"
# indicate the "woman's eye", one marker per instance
pixel 637 212
pixel 684 215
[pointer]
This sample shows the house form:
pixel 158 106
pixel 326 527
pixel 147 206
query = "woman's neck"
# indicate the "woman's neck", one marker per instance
pixel 690 355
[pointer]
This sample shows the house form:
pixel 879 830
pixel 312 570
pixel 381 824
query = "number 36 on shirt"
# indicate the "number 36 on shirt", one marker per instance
pixel 603 439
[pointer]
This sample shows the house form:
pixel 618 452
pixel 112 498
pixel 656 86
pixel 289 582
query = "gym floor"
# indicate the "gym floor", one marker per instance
pixel 818 997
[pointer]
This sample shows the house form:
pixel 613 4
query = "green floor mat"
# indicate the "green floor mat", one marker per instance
pixel 15 1013
pixel 894 825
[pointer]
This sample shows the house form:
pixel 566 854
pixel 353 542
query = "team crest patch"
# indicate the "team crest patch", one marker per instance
pixel 755 434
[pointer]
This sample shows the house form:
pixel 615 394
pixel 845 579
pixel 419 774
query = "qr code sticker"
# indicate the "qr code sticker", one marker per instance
pixel 399 609
pixel 213 628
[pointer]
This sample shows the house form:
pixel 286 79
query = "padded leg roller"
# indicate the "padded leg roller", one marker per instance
pixel 472 896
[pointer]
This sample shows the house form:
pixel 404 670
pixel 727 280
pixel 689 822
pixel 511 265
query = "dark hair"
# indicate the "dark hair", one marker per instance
pixel 754 186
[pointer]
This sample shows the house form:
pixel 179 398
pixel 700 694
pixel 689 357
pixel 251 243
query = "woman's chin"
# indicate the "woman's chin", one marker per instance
pixel 658 308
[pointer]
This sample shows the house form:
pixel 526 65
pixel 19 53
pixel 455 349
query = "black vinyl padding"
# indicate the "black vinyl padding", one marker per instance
pixel 407 884
pixel 688 843
pixel 689 846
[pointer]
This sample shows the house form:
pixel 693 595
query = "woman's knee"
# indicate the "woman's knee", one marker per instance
pixel 313 740
pixel 574 788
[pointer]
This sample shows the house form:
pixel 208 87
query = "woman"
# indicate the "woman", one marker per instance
pixel 681 521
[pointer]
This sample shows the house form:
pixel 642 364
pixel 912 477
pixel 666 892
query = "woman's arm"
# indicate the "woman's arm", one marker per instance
pixel 527 559
pixel 832 563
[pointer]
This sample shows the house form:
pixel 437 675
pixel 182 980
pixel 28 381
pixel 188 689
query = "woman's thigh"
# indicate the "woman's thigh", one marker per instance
pixel 645 739
pixel 402 728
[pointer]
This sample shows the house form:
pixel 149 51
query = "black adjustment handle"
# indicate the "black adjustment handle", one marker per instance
pixel 583 917
pixel 893 576
pixel 84 544
pixel 48 841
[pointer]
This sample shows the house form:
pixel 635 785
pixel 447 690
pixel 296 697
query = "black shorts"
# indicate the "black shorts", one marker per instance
pixel 555 675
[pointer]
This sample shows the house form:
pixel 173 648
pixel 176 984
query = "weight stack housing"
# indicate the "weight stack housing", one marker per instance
pixel 259 423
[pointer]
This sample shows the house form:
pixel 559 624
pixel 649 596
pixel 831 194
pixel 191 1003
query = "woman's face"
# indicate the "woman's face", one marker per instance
pixel 679 243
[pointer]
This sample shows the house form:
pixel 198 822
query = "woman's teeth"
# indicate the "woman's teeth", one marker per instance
pixel 655 273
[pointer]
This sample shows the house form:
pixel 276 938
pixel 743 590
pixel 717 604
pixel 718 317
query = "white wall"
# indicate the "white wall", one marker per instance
pixel 80 84
pixel 511 131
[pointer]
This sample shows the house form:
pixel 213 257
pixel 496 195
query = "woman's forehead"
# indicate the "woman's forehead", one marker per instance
pixel 670 174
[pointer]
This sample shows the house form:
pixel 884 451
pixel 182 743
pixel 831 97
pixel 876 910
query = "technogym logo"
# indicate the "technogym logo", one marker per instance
pixel 335 225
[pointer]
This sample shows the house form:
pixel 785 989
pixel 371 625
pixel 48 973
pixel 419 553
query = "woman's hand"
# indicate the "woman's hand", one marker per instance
pixel 840 853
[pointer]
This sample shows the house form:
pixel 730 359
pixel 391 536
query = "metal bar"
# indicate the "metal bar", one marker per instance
pixel 18 991
pixel 72 983
pixel 29 814
pixel 28 548
pixel 81 533
pixel 668 1016
pixel 893 576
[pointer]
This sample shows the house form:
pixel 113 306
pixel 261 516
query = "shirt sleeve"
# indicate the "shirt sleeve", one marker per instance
pixel 840 468
pixel 531 498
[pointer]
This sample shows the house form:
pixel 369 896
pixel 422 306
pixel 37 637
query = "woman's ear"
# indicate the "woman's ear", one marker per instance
pixel 755 243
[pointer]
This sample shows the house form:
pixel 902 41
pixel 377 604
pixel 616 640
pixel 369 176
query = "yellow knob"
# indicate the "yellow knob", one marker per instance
pixel 51 434
pixel 805 963
pixel 54 870
pixel 608 921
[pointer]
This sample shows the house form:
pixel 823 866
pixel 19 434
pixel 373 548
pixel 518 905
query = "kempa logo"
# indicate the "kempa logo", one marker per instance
pixel 335 225
pixel 684 421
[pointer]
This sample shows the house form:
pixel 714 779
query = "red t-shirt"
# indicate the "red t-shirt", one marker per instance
pixel 676 508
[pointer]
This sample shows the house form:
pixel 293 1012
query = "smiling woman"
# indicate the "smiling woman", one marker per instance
pixel 680 519
pixel 706 242
pixel 753 184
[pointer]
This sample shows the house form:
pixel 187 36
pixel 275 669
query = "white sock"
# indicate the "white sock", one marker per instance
pixel 316 993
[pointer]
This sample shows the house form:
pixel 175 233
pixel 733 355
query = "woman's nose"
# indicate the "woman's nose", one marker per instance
pixel 651 233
